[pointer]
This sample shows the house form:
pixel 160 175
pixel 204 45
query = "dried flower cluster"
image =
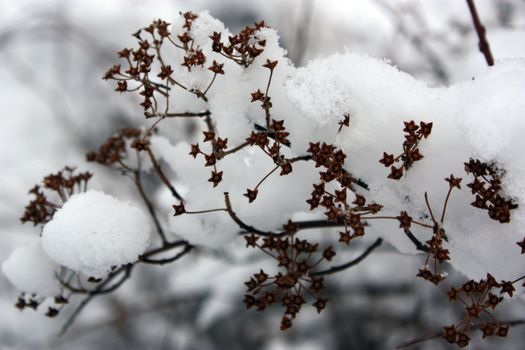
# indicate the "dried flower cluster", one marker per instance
pixel 296 258
pixel 243 47
pixel 63 185
pixel 337 204
pixel 487 187
pixel 480 299
pixel 33 302
pixel 413 135
pixel 116 147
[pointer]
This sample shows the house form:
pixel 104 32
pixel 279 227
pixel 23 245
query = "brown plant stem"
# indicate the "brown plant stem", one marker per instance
pixel 177 115
pixel 242 225
pixel 484 46
pixel 162 176
pixel 149 205
pixel 351 263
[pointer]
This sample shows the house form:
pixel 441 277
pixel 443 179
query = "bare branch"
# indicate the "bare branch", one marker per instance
pixel 484 46
pixel 349 264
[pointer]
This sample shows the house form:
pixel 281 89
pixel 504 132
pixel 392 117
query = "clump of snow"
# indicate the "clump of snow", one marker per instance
pixel 31 271
pixel 94 232
pixel 481 118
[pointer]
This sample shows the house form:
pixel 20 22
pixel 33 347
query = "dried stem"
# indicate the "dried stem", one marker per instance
pixel 151 208
pixel 349 264
pixel 177 115
pixel 419 246
pixel 484 46
pixel 239 222
pixel 162 176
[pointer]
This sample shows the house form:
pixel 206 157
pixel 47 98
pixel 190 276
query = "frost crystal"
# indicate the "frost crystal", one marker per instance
pixel 94 232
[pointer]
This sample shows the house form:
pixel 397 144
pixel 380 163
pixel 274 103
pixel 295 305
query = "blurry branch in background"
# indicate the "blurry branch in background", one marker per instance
pixel 419 39
pixel 484 46
pixel 58 36
pixel 301 35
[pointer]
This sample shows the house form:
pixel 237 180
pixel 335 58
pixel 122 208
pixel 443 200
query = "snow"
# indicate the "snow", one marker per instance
pixel 94 232
pixel 481 118
pixel 31 271
pixel 472 118
pixel 478 118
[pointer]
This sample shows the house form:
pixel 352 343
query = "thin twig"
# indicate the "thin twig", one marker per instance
pixel 484 46
pixel 239 222
pixel 150 206
pixel 430 209
pixel 179 255
pixel 176 115
pixel 419 246
pixel 162 176
pixel 349 264
pixel 445 205
pixel 92 294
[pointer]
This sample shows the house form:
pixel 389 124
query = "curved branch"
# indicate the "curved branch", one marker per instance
pixel 349 264
pixel 242 225
pixel 179 255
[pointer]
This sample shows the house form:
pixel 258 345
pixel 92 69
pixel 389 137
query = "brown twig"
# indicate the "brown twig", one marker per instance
pixel 149 205
pixel 99 290
pixel 177 115
pixel 349 264
pixel 162 176
pixel 242 225
pixel 419 246
pixel 484 46
pixel 147 260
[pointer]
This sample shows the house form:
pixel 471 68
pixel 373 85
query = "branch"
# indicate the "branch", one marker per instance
pixel 419 246
pixel 244 226
pixel 187 249
pixel 148 203
pixel 349 264
pixel 162 176
pixel 176 115
pixel 484 46
pixel 99 290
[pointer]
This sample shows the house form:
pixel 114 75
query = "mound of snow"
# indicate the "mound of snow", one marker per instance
pixel 94 232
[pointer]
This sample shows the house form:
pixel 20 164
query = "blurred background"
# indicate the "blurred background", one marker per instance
pixel 54 107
